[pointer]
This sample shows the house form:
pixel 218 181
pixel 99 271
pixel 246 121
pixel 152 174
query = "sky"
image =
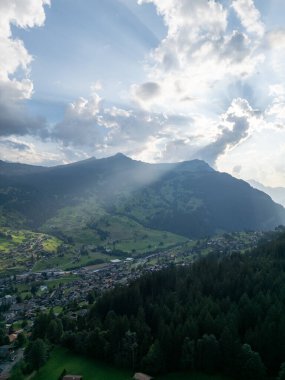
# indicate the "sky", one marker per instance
pixel 158 80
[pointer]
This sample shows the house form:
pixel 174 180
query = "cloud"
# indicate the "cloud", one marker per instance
pixel 19 146
pixel 15 83
pixel 237 169
pixel 276 38
pixel 81 124
pixel 204 63
pixel 235 128
pixel 200 56
pixel 276 110
pixel 197 15
pixel 146 92
pixel 249 16
pixel 14 120
pixel 90 126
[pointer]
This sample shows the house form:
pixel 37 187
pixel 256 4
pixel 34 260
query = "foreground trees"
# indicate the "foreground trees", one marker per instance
pixel 36 354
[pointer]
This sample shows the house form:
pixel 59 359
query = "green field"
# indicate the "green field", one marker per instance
pixel 61 359
pixel 89 224
pixel 72 261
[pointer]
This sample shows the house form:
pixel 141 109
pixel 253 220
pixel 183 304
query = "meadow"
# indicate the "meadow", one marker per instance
pixel 89 224
pixel 61 359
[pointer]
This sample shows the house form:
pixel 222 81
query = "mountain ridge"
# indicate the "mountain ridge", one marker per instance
pixel 186 198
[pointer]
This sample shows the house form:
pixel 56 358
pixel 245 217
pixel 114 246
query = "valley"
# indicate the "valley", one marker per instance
pixel 70 293
pixel 57 289
pixel 74 234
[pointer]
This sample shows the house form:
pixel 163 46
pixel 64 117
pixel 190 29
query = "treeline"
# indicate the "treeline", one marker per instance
pixel 223 314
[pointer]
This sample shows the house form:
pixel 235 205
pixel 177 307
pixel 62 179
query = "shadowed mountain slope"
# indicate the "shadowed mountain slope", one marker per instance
pixel 188 198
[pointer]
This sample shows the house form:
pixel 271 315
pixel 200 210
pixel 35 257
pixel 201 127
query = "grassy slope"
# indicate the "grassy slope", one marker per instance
pixel 90 370
pixel 86 222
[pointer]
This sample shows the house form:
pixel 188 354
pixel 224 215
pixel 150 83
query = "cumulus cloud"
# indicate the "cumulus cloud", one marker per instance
pixel 234 128
pixel 249 16
pixel 196 14
pixel 200 54
pixel 81 124
pixel 15 83
pixel 195 69
pixel 99 130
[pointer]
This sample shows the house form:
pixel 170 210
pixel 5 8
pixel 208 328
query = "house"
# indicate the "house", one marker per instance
pixel 72 377
pixel 141 376
pixel 13 337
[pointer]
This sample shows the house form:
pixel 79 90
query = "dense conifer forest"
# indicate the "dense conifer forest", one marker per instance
pixel 223 314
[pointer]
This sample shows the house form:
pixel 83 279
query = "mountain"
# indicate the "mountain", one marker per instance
pixel 10 168
pixel 96 198
pixel 276 193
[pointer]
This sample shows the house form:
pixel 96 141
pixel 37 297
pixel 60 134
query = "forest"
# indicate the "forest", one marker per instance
pixel 223 314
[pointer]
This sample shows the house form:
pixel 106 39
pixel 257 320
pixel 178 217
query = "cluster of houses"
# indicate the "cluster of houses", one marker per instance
pixel 26 253
pixel 235 242
pixel 117 272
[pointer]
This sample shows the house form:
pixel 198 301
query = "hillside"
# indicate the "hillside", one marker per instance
pixel 89 199
pixel 10 169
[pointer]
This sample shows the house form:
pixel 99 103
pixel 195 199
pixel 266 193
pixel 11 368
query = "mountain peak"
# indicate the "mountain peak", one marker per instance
pixel 194 166
pixel 121 155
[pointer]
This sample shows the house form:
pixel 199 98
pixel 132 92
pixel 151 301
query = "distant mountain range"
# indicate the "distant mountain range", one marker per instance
pixel 10 168
pixel 97 197
pixel 276 193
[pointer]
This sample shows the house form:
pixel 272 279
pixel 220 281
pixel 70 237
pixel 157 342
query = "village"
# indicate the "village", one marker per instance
pixel 54 288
